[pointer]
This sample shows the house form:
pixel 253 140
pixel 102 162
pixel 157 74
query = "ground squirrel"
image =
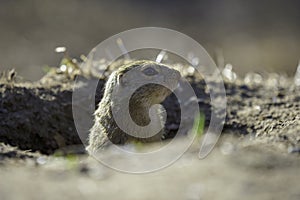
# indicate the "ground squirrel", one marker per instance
pixel 105 128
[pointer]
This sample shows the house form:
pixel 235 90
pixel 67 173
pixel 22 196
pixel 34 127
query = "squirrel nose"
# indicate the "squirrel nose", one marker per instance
pixel 173 79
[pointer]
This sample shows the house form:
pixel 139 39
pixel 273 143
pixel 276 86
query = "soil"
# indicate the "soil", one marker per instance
pixel 41 155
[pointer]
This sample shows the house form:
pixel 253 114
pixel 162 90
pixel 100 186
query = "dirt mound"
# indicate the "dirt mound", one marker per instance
pixel 38 116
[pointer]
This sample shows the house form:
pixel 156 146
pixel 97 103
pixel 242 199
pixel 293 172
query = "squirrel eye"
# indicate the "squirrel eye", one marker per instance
pixel 150 71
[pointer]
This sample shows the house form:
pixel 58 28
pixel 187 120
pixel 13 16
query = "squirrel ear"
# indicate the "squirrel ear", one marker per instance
pixel 122 80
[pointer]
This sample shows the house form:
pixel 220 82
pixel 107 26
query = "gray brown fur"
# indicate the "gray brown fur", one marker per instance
pixel 105 128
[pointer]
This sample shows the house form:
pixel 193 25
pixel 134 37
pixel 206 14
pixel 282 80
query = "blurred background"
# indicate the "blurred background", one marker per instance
pixel 256 35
